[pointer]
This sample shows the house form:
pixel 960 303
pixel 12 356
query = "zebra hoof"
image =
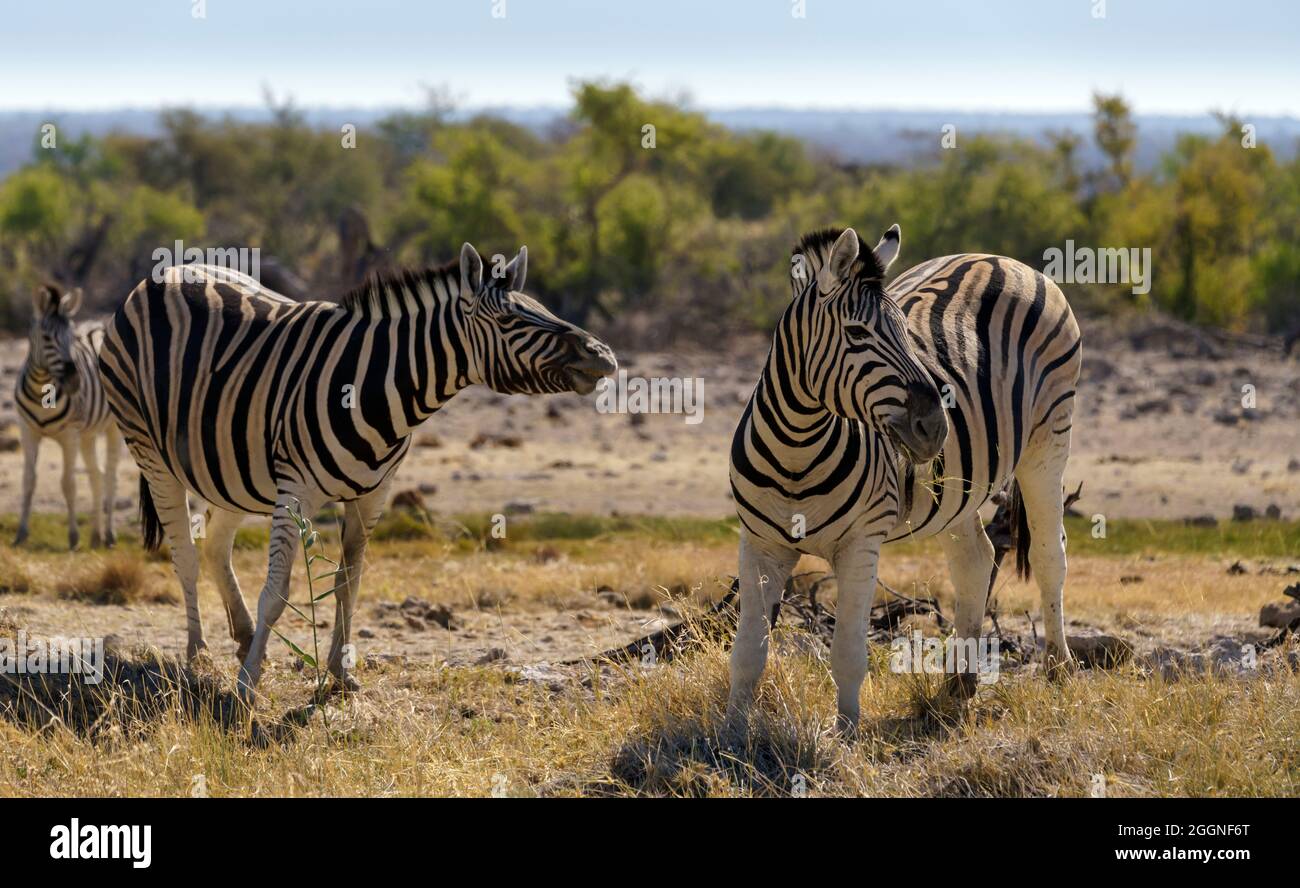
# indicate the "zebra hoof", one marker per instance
pixel 1059 665
pixel 340 687
pixel 846 726
pixel 73 539
pixel 110 540
pixel 194 650
pixel 96 541
pixel 961 686
pixel 20 537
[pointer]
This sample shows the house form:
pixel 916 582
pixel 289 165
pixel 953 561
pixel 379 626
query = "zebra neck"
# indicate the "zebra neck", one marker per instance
pixel 33 381
pixel 788 427
pixel 410 373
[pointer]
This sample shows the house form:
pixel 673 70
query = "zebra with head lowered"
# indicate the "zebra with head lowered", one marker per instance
pixel 261 405
pixel 58 395
pixel 885 413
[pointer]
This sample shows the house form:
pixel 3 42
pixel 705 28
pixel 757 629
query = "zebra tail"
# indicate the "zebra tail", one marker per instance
pixel 1020 522
pixel 151 529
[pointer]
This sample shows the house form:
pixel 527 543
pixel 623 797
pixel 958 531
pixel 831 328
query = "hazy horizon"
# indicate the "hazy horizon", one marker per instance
pixel 1018 56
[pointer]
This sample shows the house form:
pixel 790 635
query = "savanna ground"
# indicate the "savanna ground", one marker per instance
pixel 471 648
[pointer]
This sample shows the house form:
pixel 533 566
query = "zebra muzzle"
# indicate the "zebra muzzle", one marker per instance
pixel 595 361
pixel 921 431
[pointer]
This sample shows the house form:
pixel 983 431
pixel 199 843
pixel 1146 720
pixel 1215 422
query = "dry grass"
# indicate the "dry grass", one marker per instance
pixel 112 579
pixel 420 728
pixel 660 732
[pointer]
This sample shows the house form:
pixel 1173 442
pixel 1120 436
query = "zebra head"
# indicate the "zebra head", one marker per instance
pixel 857 356
pixel 518 347
pixel 51 336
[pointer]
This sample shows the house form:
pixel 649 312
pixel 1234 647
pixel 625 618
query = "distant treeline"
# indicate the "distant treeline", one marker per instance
pixel 633 207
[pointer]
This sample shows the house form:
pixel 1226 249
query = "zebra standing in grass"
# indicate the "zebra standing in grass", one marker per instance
pixel 260 405
pixel 846 443
pixel 59 396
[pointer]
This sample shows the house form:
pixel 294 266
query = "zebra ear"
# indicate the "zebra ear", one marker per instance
pixel 45 298
pixel 517 270
pixel 843 254
pixel 70 303
pixel 471 270
pixel 887 250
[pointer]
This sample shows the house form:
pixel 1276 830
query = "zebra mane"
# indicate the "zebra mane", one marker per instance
pixel 815 247
pixel 370 295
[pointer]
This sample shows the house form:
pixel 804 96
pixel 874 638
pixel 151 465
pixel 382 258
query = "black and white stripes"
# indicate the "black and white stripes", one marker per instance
pixel 884 413
pixel 261 405
pixel 59 395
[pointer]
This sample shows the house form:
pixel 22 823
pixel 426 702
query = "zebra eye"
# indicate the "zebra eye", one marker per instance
pixel 857 333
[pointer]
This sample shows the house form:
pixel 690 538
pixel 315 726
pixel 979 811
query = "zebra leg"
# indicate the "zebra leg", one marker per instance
pixel 69 484
pixel 970 564
pixel 31 447
pixel 169 499
pixel 359 519
pixel 763 574
pixel 1039 476
pixel 855 578
pixel 91 459
pixel 218 548
pixel 112 450
pixel 275 593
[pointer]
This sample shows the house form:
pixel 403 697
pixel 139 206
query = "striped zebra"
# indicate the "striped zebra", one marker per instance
pixel 58 395
pixel 265 406
pixel 885 413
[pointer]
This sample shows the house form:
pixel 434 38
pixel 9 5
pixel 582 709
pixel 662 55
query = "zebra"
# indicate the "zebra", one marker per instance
pixel 265 406
pixel 885 413
pixel 58 395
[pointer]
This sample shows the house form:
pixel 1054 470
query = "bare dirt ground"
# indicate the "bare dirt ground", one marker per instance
pixel 1161 433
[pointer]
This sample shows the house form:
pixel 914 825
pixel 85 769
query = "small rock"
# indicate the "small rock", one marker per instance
pixel 1099 651
pixel 1201 521
pixel 1273 512
pixel 1129 579
pixel 1244 513
pixel 365 633
pixel 1237 569
pixel 1279 614
pixel 411 500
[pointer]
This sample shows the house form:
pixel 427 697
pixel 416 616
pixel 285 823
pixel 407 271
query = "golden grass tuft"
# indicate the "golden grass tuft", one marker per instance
pixel 113 579
pixel 15 577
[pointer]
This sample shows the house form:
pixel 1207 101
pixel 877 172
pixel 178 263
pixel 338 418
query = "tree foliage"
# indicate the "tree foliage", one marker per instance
pixel 640 206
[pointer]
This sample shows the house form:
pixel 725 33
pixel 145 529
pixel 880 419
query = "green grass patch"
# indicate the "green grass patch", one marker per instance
pixel 469 532
pixel 1240 539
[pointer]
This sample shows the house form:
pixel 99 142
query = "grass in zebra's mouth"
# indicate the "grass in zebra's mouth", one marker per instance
pixel 584 382
pixel 438 715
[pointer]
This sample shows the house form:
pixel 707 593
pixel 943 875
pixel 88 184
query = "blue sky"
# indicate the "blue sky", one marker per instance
pixel 1024 55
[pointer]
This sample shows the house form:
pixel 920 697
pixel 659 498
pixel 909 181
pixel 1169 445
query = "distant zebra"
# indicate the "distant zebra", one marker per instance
pixel 59 396
pixel 846 443
pixel 259 405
